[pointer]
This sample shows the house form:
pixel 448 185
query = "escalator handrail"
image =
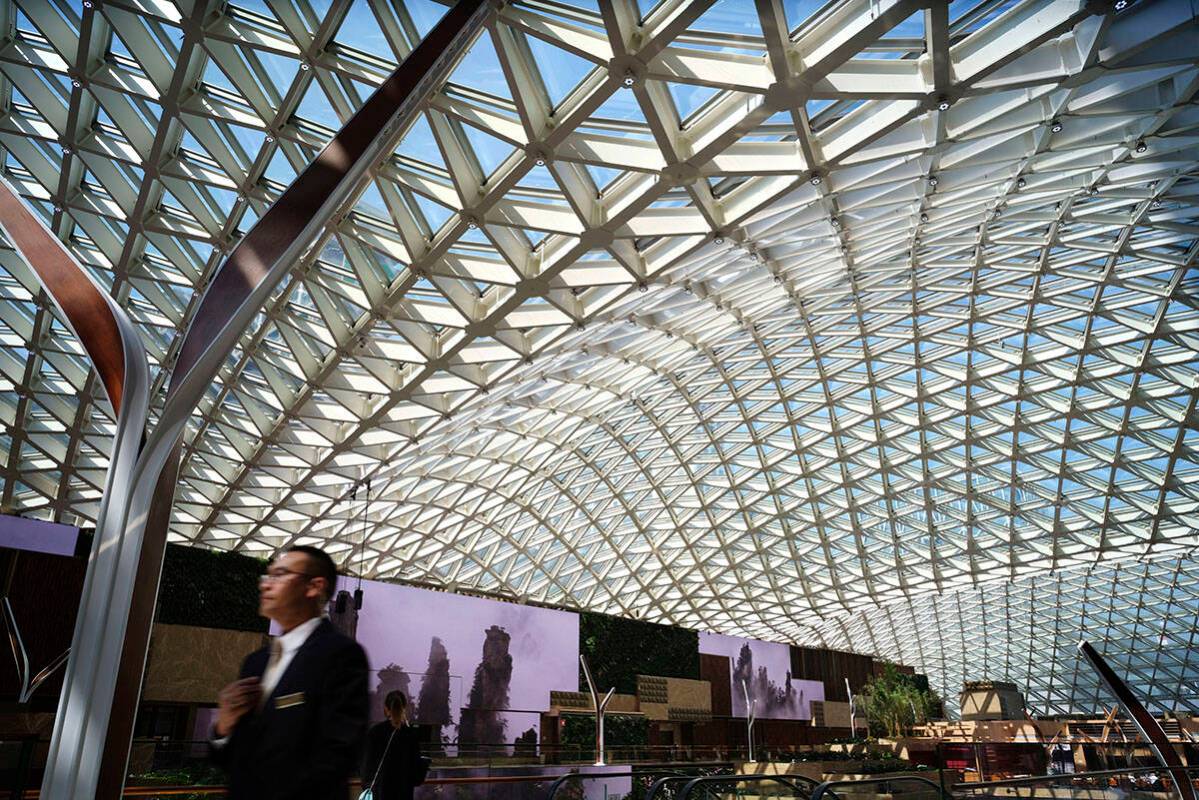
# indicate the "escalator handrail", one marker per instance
pixel 562 779
pixel 793 781
pixel 660 782
pixel 827 787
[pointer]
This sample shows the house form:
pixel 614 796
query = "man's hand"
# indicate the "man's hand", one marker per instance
pixel 233 702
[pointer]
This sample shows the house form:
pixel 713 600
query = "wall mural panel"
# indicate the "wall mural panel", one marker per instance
pixel 766 669
pixel 479 671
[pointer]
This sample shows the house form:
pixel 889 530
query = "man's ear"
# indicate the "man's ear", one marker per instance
pixel 322 588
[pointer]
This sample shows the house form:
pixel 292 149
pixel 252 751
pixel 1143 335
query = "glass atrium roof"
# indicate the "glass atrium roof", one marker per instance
pixel 862 324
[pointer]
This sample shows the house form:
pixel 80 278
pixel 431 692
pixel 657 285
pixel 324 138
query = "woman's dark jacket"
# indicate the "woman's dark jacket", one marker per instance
pixel 399 766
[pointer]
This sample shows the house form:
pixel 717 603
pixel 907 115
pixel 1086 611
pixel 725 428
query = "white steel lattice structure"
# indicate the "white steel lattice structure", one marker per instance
pixel 870 325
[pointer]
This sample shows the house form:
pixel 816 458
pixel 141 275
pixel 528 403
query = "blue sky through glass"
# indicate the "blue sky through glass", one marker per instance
pixel 279 169
pixel 798 12
pixel 646 7
pixel 910 28
pixel 250 139
pixel 424 14
pixel 281 69
pixel 730 16
pixel 490 150
pixel 215 76
pixel 560 70
pixel 689 97
pixel 602 175
pixel 623 106
pixel 321 7
pixel 257 6
pixel 539 178
pixel 315 106
pixel 361 31
pixel 480 69
pixel 419 143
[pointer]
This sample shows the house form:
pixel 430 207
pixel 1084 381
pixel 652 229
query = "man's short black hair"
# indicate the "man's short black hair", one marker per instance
pixel 322 566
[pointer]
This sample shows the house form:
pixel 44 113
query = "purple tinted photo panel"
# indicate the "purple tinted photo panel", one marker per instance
pixel 478 671
pixel 18 533
pixel 766 669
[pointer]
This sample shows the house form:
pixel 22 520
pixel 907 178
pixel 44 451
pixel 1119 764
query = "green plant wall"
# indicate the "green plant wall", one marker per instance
pixel 620 730
pixel 210 589
pixel 619 650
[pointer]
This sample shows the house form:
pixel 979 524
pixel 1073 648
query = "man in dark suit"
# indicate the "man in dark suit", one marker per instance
pixel 292 725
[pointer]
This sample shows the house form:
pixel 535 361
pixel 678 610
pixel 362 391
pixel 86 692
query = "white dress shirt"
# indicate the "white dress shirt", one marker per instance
pixel 290 642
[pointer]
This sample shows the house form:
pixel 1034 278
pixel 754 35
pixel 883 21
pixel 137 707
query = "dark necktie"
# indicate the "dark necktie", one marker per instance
pixel 271 664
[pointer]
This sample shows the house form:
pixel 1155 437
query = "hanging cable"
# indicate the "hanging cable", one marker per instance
pixel 339 605
pixel 366 506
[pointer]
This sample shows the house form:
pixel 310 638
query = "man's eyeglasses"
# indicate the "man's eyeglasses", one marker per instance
pixel 279 573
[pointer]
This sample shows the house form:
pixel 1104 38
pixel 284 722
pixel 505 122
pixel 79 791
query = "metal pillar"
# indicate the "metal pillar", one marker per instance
pixel 853 711
pixel 600 706
pixel 119 358
pixel 750 719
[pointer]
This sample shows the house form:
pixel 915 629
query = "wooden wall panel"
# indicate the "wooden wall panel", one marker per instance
pixel 832 667
pixel 717 671
pixel 187 664
pixel 44 591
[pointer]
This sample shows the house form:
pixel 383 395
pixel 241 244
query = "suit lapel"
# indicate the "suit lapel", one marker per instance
pixel 256 663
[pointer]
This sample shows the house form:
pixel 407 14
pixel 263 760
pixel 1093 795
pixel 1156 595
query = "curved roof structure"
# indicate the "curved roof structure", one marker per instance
pixel 870 324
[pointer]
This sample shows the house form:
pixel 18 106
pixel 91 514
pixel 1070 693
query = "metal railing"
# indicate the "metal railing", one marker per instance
pixel 584 753
pixel 187 758
pixel 1113 784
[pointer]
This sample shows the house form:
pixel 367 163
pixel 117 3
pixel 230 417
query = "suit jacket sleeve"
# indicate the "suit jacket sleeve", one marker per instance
pixel 340 727
pixel 221 754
